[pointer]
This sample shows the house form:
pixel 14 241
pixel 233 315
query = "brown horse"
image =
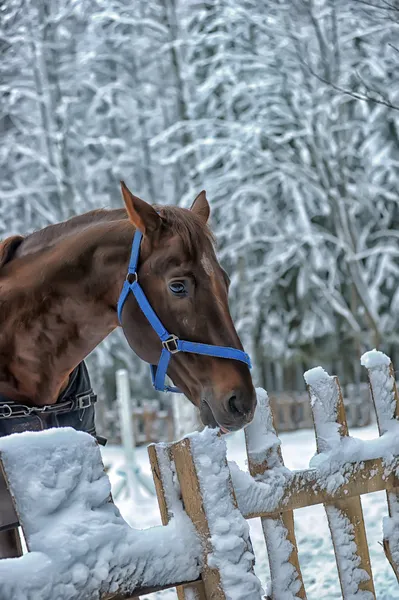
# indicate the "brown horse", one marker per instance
pixel 59 289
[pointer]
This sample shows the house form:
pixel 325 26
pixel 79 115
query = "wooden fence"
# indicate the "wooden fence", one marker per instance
pixel 339 490
pixel 151 423
pixel 292 410
pixel 203 499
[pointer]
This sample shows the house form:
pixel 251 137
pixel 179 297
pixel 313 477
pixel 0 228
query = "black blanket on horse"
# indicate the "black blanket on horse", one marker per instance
pixel 74 408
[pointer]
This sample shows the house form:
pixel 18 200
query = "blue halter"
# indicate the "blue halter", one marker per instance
pixel 171 344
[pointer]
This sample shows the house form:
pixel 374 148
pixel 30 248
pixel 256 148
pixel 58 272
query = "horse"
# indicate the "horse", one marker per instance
pixel 59 291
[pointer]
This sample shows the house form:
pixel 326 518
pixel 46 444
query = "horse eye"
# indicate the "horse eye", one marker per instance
pixel 178 288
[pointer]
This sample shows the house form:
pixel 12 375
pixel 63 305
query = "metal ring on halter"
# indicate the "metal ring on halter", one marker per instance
pixel 172 339
pixel 132 278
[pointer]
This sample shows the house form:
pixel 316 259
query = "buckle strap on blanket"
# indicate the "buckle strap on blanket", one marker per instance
pixel 12 409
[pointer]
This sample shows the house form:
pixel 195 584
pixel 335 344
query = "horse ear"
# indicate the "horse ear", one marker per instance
pixel 201 208
pixel 143 216
pixel 8 248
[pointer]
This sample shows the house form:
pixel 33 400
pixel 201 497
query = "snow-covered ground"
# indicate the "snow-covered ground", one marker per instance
pixel 315 546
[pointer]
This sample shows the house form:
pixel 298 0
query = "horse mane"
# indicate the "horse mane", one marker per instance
pixel 54 233
pixel 182 222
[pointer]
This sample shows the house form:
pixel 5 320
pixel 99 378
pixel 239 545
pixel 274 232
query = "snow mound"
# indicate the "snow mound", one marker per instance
pixel 80 546
pixel 375 358
pixel 262 441
pixel 316 376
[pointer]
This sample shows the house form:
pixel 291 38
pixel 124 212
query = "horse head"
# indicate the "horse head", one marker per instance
pixel 188 289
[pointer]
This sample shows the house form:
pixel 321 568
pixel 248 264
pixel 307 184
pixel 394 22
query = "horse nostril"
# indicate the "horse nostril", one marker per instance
pixel 234 407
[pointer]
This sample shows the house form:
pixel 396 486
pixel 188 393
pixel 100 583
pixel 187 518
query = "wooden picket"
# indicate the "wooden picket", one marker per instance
pixel 162 467
pixel 258 464
pixel 345 516
pixel 385 397
pixel 192 490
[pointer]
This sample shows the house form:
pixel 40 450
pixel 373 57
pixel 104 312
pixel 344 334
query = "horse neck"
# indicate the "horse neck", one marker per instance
pixel 62 304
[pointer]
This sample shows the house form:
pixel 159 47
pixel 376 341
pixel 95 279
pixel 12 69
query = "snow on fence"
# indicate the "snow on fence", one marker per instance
pixel 80 547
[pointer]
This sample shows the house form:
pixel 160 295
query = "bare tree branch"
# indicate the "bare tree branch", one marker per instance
pixel 366 97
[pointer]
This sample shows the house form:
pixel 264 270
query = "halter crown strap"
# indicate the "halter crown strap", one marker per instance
pixel 171 344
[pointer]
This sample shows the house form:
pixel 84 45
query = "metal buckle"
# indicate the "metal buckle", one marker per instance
pixel 85 401
pixel 132 278
pixel 29 410
pixel 173 339
pixel 5 416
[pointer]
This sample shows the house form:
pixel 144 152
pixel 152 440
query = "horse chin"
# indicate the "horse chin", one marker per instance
pixel 206 415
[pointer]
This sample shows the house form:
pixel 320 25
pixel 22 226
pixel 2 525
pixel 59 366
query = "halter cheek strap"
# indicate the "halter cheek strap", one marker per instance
pixel 171 344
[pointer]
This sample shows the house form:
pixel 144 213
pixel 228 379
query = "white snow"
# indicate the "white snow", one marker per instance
pixel 285 584
pixel 260 495
pixel 347 557
pixel 384 392
pixel 170 483
pixel 339 452
pixel 263 445
pixel 315 548
pixel 391 527
pixel 313 536
pixel 231 547
pixel 383 385
pixel 324 392
pixel 316 376
pixel 79 543
pixel 375 358
pixel 262 441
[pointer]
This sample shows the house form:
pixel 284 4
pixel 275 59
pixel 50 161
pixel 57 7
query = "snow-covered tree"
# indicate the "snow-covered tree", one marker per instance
pixel 263 105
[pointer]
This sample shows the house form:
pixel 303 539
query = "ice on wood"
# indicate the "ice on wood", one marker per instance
pixel 334 467
pixel 324 391
pixel 391 528
pixel 231 546
pixel 262 441
pixel 385 398
pixel 263 445
pixel 266 463
pixel 170 483
pixel 285 583
pixel 346 554
pixel 79 543
pixel 336 452
pixel 383 385
pixel 260 495
pixel 374 358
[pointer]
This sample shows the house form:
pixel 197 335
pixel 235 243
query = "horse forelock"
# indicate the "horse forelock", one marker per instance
pixel 194 234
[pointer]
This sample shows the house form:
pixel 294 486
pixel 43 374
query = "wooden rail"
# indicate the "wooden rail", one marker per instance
pixel 305 488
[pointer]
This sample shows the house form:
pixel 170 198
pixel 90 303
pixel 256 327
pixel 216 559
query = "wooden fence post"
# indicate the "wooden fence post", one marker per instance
pixel 210 502
pixel 10 539
pixel 168 496
pixel 386 403
pixel 262 457
pixel 345 517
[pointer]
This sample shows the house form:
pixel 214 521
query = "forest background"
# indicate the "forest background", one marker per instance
pixel 285 111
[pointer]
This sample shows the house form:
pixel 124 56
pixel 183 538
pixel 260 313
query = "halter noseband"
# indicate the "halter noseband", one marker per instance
pixel 171 344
